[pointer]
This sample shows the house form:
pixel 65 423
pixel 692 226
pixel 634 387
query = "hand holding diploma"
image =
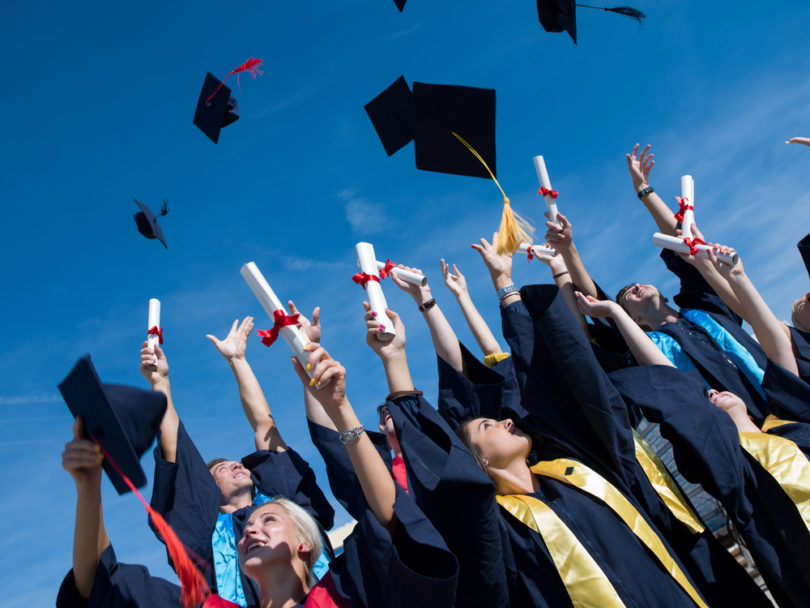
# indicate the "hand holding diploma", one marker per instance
pixel 154 333
pixel 540 251
pixel 549 195
pixel 389 268
pixel 369 278
pixel 677 244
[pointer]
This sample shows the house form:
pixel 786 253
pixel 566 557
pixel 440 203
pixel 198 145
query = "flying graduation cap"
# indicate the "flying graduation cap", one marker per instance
pixel 216 107
pixel 147 222
pixel 429 115
pixel 561 16
pixel 400 4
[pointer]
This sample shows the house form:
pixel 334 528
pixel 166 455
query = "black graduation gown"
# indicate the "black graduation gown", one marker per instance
pixel 187 496
pixel 481 580
pixel 788 395
pixel 411 568
pixel 801 343
pixel 563 371
pixel 707 451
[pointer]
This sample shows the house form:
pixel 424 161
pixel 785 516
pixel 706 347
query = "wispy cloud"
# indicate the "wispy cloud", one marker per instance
pixel 364 216
pixel 30 398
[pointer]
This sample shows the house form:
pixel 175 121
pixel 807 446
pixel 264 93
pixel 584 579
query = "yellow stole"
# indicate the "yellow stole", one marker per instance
pixel 584 580
pixel 667 488
pixel 580 476
pixel 786 463
pixel 771 422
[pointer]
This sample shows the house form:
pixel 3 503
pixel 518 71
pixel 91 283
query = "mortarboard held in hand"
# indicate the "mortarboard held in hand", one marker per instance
pixel 216 107
pixel 147 222
pixel 121 419
pixel 561 15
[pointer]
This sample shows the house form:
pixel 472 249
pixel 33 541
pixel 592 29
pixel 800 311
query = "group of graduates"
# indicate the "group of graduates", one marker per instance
pixel 526 485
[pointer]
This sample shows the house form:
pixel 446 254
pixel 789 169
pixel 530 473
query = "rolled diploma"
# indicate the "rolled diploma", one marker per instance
pixel 376 299
pixel 676 244
pixel 542 175
pixel 406 275
pixel 270 302
pixel 688 192
pixel 538 250
pixel 153 340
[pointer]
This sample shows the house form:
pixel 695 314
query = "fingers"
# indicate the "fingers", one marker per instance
pixel 445 268
pixel 393 316
pixel 316 316
pixel 245 327
pixel 299 369
pixel 635 151
pixel 457 272
pixel 563 221
pixel 214 341
pixel 78 428
pixel 326 371
pixel 233 329
pixel 367 306
pixel 291 307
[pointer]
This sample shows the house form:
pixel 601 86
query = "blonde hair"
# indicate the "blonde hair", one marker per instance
pixel 306 529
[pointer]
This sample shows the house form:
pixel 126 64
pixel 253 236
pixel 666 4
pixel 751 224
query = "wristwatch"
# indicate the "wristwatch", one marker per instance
pixel 645 191
pixel 505 290
pixel 349 436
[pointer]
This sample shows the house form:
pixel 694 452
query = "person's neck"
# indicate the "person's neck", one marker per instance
pixel 393 443
pixel 238 500
pixel 283 586
pixel 515 478
pixel 661 315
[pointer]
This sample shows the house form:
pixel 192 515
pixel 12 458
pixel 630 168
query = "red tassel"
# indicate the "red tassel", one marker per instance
pixel 251 65
pixel 192 583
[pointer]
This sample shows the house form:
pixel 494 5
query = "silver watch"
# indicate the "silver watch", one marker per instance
pixel 349 436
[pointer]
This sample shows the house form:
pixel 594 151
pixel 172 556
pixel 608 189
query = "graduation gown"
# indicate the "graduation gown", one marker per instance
pixel 801 349
pixel 707 451
pixel 187 496
pixel 481 580
pixel 411 568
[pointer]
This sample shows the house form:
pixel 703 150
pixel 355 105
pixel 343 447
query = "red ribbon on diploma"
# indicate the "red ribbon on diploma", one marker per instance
pixel 279 320
pixel 545 191
pixel 361 278
pixel 156 331
pixel 685 206
pixel 385 271
pixel 529 255
pixel 692 244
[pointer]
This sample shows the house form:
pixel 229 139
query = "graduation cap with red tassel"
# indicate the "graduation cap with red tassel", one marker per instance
pixel 216 107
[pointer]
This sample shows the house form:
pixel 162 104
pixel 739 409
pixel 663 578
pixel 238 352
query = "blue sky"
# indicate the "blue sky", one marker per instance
pixel 99 99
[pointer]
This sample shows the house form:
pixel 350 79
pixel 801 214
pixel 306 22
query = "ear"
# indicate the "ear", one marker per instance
pixel 304 547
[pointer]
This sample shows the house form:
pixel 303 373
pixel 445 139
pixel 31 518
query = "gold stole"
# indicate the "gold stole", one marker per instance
pixel 580 476
pixel 771 422
pixel 586 584
pixel 786 463
pixel 667 488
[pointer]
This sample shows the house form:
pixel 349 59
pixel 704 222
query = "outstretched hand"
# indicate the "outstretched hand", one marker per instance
pixel 328 382
pixel 417 292
pixel 82 458
pixel 596 309
pixel 727 270
pixel 640 166
pixel 235 343
pixel 454 281
pixel 392 348
pixel 311 329
pixel 154 366
pixel 560 235
pixel 499 264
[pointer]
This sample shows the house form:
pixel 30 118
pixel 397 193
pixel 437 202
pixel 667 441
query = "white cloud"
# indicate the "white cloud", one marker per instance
pixel 364 216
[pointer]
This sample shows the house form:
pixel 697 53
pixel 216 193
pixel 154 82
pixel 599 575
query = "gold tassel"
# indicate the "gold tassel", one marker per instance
pixel 514 228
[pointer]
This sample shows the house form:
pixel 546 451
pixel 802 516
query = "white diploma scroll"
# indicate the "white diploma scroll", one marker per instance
pixel 543 250
pixel 153 339
pixel 688 192
pixel 545 182
pixel 419 280
pixel 368 264
pixel 293 336
pixel 676 244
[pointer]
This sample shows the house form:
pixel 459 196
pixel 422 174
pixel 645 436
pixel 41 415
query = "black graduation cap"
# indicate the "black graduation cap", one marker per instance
pixel 558 16
pixel 148 225
pixel 561 16
pixel 804 250
pixel 391 113
pixel 219 111
pixel 123 420
pixel 439 111
pixel 400 4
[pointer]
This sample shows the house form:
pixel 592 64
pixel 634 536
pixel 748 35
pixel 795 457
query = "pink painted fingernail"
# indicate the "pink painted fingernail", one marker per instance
pixel 373 313
pixel 382 327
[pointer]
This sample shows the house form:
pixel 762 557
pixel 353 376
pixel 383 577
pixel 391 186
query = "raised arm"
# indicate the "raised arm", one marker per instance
pixel 375 479
pixel 640 167
pixel 560 236
pixel 155 368
pixel 266 435
pixel 768 329
pixel 643 349
pixel 444 338
pixel 82 459
pixel 562 279
pixel 392 353
pixel 457 284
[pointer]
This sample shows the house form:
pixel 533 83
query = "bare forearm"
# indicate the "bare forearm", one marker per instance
pixel 661 214
pixel 397 373
pixel 579 275
pixel 562 280
pixel 767 328
pixel 315 411
pixel 374 477
pixel 254 404
pixel 169 424
pixel 89 538
pixel 479 328
pixel 643 349
pixel 721 286
pixel 444 338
